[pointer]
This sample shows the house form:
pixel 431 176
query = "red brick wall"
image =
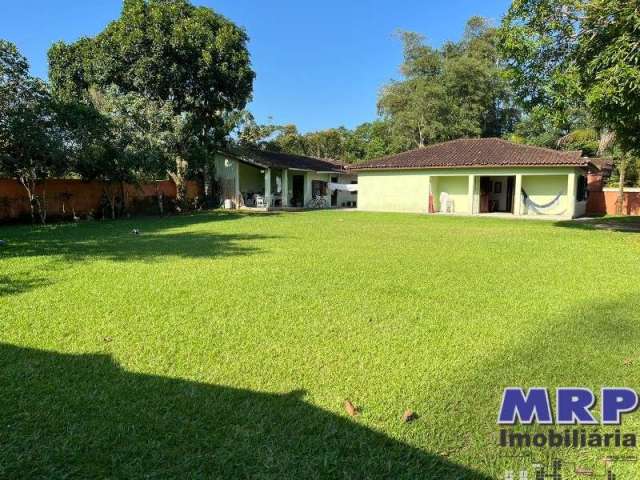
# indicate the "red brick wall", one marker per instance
pixel 66 196
pixel 604 202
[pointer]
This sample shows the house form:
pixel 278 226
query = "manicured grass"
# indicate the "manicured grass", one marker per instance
pixel 223 346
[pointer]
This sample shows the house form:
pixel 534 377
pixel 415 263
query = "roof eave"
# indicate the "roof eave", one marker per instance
pixel 447 167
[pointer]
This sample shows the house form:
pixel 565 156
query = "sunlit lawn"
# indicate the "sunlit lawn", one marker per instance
pixel 223 345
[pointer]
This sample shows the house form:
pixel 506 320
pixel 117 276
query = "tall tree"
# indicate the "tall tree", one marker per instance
pixel 140 132
pixel 566 53
pixel 32 145
pixel 188 58
pixel 418 107
pixel 456 91
pixel 608 56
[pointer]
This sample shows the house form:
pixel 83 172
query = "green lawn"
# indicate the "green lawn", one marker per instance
pixel 223 345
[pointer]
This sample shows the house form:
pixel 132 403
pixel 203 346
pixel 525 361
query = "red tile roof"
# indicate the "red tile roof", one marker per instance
pixel 285 160
pixel 476 152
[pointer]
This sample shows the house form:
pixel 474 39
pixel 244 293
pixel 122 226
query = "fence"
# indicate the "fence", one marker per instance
pixel 68 197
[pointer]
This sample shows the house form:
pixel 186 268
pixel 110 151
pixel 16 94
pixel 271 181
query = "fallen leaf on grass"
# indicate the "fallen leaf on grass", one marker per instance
pixel 350 408
pixel 409 416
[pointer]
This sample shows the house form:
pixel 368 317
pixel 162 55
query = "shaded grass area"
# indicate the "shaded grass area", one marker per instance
pixel 83 416
pixel 612 223
pixel 223 345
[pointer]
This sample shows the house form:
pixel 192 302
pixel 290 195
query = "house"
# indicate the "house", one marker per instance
pixel 270 180
pixel 477 176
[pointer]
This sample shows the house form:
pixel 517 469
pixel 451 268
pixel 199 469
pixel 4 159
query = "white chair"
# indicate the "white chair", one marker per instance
pixel 260 203
pixel 444 202
pixel 451 206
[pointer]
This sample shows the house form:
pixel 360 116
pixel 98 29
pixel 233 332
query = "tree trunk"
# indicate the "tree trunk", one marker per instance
pixel 109 192
pixel 42 204
pixel 178 178
pixel 622 168
pixel 123 206
pixel 30 195
pixel 206 180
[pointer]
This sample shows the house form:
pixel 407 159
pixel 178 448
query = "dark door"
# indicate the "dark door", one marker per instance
pixel 298 190
pixel 485 194
pixel 334 194
pixel 511 185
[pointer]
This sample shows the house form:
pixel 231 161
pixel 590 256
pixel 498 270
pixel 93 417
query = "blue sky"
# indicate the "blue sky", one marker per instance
pixel 319 64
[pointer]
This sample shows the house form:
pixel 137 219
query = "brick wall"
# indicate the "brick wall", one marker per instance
pixel 64 197
pixel 603 200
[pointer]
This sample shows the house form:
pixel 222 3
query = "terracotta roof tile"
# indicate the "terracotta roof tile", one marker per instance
pixel 286 160
pixel 479 152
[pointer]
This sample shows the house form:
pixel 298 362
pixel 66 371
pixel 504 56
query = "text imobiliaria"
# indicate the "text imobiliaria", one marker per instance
pixel 573 411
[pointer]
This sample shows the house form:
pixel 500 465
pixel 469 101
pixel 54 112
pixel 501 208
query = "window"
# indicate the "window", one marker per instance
pixel 318 188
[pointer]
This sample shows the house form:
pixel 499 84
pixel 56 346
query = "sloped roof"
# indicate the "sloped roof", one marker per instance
pixel 476 152
pixel 284 160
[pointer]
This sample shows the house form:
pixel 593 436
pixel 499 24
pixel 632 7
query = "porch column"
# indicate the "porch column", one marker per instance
pixel 236 186
pixel 267 187
pixel 429 192
pixel 517 196
pixel 285 187
pixel 470 193
pixel 571 195
pixel 307 189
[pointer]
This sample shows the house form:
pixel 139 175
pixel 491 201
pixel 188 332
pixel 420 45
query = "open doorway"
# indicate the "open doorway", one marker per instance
pixel 497 194
pixel 297 184
pixel 334 193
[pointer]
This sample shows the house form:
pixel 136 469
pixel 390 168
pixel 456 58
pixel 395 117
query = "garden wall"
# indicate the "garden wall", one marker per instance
pixel 603 200
pixel 66 197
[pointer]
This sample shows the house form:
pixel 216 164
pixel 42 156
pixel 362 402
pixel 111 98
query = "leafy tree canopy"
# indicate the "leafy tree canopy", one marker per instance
pixel 456 91
pixel 32 146
pixel 185 59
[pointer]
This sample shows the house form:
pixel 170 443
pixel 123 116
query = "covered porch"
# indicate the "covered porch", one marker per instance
pixel 271 181
pixel 548 193
pixel 264 187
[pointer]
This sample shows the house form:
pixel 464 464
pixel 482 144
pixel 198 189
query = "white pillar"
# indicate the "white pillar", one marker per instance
pixel 307 189
pixel 571 195
pixel 285 187
pixel 236 186
pixel 517 196
pixel 470 193
pixel 267 187
pixel 429 192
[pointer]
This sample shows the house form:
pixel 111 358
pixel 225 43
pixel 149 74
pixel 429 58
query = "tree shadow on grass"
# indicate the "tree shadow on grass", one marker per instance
pixel 573 347
pixel 82 416
pixel 116 241
pixel 616 224
pixel 125 247
pixel 15 284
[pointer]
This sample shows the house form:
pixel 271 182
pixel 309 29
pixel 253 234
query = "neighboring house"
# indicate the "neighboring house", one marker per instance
pixel 268 180
pixel 477 176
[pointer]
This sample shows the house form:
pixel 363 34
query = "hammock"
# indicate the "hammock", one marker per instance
pixel 535 206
